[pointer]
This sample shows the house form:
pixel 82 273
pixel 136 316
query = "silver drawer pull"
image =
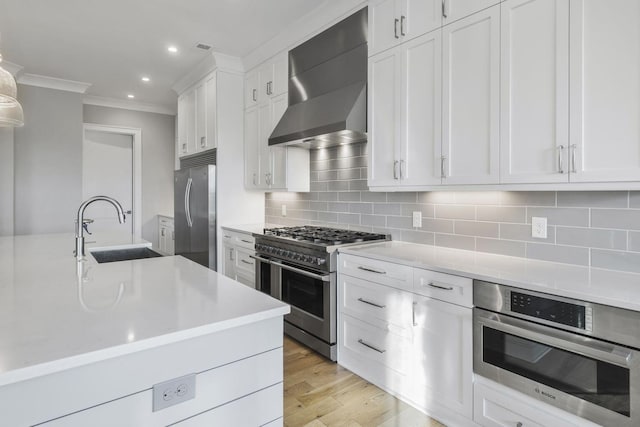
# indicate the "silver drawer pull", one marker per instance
pixel 445 288
pixel 371 347
pixel 246 241
pixel 371 303
pixel 246 262
pixel 372 270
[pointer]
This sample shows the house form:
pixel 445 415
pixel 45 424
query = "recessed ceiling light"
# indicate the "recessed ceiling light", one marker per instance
pixel 172 49
pixel 130 96
pixel 146 79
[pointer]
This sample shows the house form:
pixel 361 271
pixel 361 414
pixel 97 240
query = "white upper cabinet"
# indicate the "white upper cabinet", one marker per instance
pixel 187 145
pixel 197 111
pixel 251 149
pixel 605 90
pixel 392 22
pixel 404 113
pixel 535 91
pixel 273 77
pixel 471 92
pixel 452 10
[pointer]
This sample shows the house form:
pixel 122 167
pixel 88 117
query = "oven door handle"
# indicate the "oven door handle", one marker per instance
pixel 567 341
pixel 324 278
pixel 257 258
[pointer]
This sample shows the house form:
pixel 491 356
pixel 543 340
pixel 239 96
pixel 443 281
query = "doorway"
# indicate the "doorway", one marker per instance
pixel 111 166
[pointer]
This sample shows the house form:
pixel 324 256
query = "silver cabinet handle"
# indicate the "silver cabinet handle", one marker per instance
pixel 227 236
pixel 254 95
pixel 395 28
pixel 371 270
pixel 246 262
pixel 231 254
pixel 560 159
pixel 324 278
pixel 371 303
pixel 254 179
pixel 246 241
pixel 162 232
pixel 403 19
pixel 203 141
pixel 444 9
pixel 401 168
pixel 443 174
pixel 413 313
pixel 395 169
pixel 444 288
pixel 184 147
pixel 371 346
pixel 573 148
pixel 187 202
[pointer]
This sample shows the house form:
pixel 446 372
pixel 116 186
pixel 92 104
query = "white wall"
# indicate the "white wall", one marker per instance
pixel 47 161
pixel 6 181
pixel 158 157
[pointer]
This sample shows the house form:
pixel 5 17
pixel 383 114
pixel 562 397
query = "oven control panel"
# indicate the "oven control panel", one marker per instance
pixel 551 310
pixel 291 255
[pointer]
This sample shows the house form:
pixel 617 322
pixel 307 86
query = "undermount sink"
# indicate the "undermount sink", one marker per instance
pixel 114 255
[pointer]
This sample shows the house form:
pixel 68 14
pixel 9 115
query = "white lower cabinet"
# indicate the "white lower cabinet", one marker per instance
pixel 409 331
pixel 166 235
pixel 238 264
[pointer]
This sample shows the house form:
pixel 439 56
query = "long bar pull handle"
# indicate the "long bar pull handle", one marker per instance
pixel 413 313
pixel 444 288
pixel 560 159
pixel 395 169
pixel 255 95
pixel 573 148
pixel 187 202
pixel 442 171
pixel 371 303
pixel 371 270
pixel 246 262
pixel 246 241
pixel 371 346
pixel 403 19
pixel 395 28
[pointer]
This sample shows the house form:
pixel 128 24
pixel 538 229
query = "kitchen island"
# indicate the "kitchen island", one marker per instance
pixel 84 343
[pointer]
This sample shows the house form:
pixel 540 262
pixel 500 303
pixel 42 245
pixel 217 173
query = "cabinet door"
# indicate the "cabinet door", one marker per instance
pixel 251 149
pixel 182 125
pixel 265 81
pixel 251 89
pixel 443 351
pixel 471 92
pixel 190 122
pixel 384 25
pixel 605 90
pixel 278 154
pixel 421 124
pixel 280 74
pixel 265 127
pixel 535 91
pixel 384 118
pixel 458 9
pixel 211 135
pixel 418 17
pixel 229 262
pixel 201 117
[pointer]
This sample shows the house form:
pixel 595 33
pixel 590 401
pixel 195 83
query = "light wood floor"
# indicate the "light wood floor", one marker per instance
pixel 319 393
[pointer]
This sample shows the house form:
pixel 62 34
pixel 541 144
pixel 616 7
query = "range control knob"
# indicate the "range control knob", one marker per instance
pixel 321 261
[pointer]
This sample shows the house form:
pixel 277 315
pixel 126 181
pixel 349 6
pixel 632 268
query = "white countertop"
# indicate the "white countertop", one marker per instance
pixel 250 228
pixel 607 287
pixel 56 313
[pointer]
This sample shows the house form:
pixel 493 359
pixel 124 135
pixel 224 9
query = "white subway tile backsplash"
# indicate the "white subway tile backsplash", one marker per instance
pixel 597 228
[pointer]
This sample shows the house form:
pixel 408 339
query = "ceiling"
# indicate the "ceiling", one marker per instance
pixel 112 44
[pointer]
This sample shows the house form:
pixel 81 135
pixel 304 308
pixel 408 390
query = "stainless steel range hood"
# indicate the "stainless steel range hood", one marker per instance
pixel 327 88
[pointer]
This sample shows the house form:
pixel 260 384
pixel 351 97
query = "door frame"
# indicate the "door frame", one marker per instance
pixel 136 135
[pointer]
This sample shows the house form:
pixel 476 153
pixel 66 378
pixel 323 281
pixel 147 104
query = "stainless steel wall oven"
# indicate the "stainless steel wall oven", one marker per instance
pixel 579 356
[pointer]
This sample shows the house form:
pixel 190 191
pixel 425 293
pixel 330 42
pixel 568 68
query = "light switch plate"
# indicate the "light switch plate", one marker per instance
pixel 539 227
pixel 174 391
pixel 417 219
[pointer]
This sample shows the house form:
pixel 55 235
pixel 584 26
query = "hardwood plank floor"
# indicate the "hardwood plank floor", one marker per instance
pixel 319 393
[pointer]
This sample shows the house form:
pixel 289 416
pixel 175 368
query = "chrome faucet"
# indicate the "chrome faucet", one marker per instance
pixel 80 220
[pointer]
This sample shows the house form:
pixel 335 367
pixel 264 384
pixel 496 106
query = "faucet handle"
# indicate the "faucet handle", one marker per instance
pixel 85 225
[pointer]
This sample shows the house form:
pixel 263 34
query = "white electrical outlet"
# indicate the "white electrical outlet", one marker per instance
pixel 284 210
pixel 174 391
pixel 539 227
pixel 417 219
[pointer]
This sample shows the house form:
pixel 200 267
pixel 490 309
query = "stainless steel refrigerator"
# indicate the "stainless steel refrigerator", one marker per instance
pixel 195 214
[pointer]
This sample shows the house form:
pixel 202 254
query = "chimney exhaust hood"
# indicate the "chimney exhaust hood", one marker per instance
pixel 327 88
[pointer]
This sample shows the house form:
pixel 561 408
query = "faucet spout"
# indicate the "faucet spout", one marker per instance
pixel 79 220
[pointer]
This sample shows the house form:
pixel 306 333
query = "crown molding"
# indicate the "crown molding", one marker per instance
pixel 12 68
pixel 53 83
pixel 101 101
pixel 215 61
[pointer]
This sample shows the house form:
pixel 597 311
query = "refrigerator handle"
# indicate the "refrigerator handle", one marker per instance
pixel 187 202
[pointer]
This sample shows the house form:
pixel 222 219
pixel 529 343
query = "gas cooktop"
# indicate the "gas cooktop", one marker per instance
pixel 323 236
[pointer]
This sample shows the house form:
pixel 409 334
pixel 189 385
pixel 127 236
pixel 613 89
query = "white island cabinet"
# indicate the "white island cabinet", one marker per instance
pixel 85 343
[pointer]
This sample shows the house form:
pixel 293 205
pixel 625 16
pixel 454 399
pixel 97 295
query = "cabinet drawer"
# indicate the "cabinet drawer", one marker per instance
pixel 243 240
pixel 165 221
pixel 246 279
pixel 445 287
pixel 376 344
pixel 501 407
pixel 385 273
pixel 245 263
pixel 379 305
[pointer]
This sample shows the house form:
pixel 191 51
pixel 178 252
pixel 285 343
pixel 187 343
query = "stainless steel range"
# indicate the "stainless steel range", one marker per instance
pixel 298 266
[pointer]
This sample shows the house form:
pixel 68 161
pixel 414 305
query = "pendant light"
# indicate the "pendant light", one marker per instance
pixel 11 114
